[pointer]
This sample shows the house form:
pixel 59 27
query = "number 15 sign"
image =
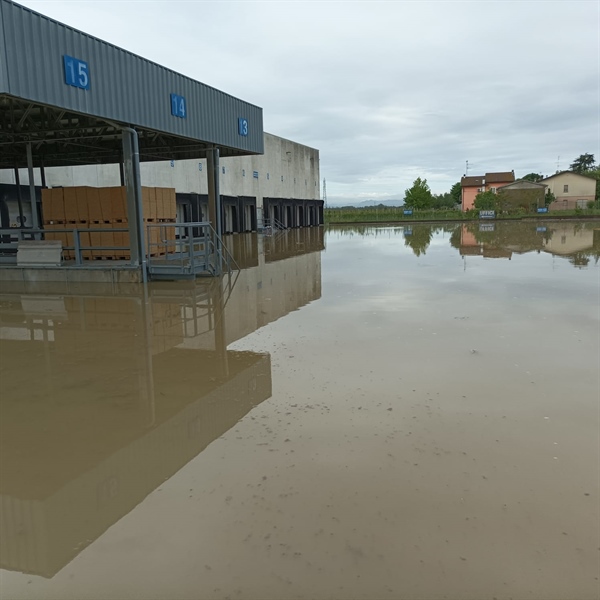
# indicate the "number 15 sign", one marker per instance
pixel 77 72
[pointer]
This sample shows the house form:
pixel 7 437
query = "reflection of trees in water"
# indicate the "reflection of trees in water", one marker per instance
pixel 522 237
pixel 422 234
pixel 364 230
pixel 506 237
pixel 417 236
pixel 420 238
pixel 375 230
pixel 456 237
pixel 582 258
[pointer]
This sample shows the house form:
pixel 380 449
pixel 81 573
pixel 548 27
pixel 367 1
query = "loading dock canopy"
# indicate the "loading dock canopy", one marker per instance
pixel 69 94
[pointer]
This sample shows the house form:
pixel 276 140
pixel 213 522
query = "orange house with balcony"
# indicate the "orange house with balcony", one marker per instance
pixel 471 186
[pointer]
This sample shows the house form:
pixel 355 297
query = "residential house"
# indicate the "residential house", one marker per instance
pixel 522 194
pixel 471 186
pixel 572 190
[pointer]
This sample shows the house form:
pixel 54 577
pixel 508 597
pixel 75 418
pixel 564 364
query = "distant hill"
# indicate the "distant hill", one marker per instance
pixel 370 203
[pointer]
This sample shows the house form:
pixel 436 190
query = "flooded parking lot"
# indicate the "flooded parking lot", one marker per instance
pixel 366 412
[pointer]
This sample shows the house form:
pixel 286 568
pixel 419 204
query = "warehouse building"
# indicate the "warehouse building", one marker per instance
pixel 281 184
pixel 79 112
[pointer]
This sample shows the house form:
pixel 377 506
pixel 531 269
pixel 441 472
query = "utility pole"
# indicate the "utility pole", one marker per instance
pixel 325 192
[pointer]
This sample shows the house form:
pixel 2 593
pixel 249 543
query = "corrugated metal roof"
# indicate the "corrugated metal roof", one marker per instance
pixel 123 87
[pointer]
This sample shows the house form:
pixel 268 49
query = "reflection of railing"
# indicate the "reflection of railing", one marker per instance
pixel 184 250
pixel 79 251
pixel 272 226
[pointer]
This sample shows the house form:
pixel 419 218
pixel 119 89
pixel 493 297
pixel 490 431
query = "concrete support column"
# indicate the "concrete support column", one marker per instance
pixel 135 216
pixel 214 202
pixel 214 189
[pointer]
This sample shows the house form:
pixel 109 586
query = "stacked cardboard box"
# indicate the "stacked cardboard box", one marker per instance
pixel 92 208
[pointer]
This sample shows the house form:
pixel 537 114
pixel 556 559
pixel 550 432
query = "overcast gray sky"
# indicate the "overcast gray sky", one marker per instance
pixel 387 91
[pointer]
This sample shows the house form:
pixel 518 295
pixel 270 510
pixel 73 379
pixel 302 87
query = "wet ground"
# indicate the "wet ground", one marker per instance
pixel 403 413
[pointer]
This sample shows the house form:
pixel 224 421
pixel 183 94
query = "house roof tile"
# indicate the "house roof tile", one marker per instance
pixel 471 181
pixel 500 177
pixel 479 180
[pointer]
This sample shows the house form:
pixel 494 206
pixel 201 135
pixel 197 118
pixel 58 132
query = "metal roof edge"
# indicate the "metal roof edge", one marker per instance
pixel 119 48
pixel 4 75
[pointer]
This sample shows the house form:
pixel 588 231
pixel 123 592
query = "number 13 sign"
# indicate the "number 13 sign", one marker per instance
pixel 77 72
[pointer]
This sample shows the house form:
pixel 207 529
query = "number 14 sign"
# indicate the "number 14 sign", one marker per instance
pixel 77 72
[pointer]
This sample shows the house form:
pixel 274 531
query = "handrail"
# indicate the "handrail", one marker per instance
pixel 278 224
pixel 22 234
pixel 194 250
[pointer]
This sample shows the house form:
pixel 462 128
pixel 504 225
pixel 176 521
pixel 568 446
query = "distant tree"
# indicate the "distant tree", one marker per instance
pixel 443 201
pixel 456 192
pixel 486 201
pixel 419 195
pixel 583 163
pixel 535 177
pixel 595 174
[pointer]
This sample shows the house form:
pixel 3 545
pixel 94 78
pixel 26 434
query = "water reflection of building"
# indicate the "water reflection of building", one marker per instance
pixel 577 241
pixel 105 397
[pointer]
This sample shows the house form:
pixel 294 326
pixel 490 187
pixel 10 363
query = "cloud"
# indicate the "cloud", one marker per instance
pixel 387 91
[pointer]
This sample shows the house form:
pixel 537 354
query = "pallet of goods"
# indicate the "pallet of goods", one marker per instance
pixel 105 210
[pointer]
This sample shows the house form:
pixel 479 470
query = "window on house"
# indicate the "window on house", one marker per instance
pixel 493 190
pixel 565 189
pixel 243 172
pixel 223 170
pixel 268 176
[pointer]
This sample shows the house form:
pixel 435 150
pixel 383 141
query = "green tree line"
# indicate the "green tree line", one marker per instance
pixel 419 196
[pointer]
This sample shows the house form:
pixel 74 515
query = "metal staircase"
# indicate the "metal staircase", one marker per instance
pixel 195 250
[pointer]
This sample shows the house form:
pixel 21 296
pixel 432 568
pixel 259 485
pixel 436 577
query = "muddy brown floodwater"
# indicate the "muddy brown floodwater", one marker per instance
pixel 362 413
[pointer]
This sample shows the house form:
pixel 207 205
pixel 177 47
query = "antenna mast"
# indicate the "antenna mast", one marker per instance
pixel 467 169
pixel 325 191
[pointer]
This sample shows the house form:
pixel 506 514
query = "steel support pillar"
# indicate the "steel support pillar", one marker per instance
pixel 19 198
pixel 214 201
pixel 35 222
pixel 133 184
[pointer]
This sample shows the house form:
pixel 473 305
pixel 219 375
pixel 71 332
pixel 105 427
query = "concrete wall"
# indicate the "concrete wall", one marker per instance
pixel 286 170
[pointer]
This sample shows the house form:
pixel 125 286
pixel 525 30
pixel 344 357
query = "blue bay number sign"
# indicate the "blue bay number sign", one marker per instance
pixel 243 126
pixel 178 108
pixel 77 72
pixel 487 214
pixel 542 209
pixel 408 211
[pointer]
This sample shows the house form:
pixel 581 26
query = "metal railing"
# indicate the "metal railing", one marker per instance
pixel 174 249
pixel 272 226
pixel 10 238
pixel 180 250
